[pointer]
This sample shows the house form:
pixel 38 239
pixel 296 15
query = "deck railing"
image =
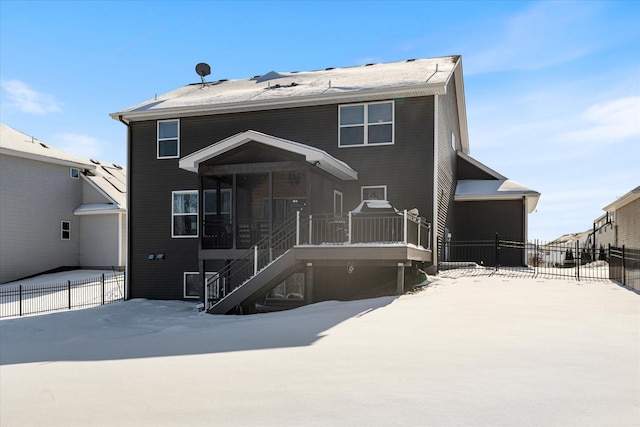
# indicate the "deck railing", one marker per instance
pixel 319 229
pixel 387 228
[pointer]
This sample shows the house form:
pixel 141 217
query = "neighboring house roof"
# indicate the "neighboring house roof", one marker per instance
pixel 108 179
pixel 495 189
pixel 624 200
pixel 111 181
pixel 313 155
pixel 18 144
pixel 274 90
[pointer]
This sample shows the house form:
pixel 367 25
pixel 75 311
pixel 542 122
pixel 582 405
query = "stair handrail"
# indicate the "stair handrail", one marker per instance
pixel 276 243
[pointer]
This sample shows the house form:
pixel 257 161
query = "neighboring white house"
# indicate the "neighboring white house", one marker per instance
pixel 57 210
pixel 624 214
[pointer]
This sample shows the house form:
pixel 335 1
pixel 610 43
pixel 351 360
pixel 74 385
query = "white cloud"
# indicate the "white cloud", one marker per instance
pixel 80 145
pixel 610 121
pixel 545 34
pixel 23 98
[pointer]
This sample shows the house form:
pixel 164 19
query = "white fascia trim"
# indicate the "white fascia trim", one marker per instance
pixel 106 211
pixel 481 166
pixel 46 159
pixel 462 106
pixel 624 200
pixel 312 155
pixel 273 104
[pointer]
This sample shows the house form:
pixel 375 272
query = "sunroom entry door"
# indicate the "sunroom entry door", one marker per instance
pixel 217 211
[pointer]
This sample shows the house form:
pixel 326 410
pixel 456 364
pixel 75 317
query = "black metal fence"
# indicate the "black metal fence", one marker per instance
pixel 539 259
pixel 624 266
pixel 22 300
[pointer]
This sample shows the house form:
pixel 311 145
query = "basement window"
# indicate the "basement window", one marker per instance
pixel 192 284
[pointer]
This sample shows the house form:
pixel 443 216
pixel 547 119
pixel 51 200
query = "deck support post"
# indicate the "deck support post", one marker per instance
pixel 308 284
pixel 400 288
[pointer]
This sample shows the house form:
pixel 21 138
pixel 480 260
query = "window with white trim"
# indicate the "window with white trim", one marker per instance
pixel 366 124
pixel 374 192
pixel 65 230
pixel 192 283
pixel 337 202
pixel 74 173
pixel 168 139
pixel 184 213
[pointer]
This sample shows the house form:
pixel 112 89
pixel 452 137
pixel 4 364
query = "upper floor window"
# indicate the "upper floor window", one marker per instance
pixel 366 124
pixel 168 139
pixel 74 173
pixel 184 213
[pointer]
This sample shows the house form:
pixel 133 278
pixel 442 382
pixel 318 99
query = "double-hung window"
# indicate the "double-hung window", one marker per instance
pixel 366 124
pixel 168 139
pixel 184 214
pixel 65 230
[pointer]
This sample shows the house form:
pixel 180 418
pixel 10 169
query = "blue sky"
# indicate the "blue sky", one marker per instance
pixel 552 88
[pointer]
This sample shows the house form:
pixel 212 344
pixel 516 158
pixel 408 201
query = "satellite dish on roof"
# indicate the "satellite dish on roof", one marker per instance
pixel 203 70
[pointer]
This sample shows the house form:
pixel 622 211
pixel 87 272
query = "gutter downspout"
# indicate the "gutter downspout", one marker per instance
pixel 435 225
pixel 127 262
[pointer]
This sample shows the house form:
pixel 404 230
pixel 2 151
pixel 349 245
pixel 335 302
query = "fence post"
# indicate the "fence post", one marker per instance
pixel 310 227
pixel 419 227
pixel 102 288
pixel 405 227
pixel 255 259
pixel 624 269
pixel 578 260
pixel 20 300
pixel 297 228
pixel 497 251
pixel 349 231
pixel 69 292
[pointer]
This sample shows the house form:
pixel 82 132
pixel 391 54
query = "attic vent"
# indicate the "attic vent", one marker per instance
pixel 278 86
pixel 117 166
pixel 271 75
pixel 411 60
pixel 44 145
pixel 223 80
pixel 95 162
pixel 369 65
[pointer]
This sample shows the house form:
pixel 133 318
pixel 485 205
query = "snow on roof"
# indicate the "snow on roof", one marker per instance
pixel 18 144
pixel 111 181
pixel 417 77
pixel 495 189
pixel 107 178
pixel 313 155
pixel 374 206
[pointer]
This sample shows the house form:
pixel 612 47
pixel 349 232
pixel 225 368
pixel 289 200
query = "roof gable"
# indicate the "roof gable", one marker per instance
pixel 312 155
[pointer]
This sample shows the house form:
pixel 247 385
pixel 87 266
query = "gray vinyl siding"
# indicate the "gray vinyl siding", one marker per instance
pixel 34 198
pixel 628 225
pixel 99 242
pixel 91 195
pixel 447 157
pixel 405 168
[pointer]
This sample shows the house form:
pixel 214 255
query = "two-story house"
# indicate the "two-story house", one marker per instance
pixel 57 210
pixel 364 168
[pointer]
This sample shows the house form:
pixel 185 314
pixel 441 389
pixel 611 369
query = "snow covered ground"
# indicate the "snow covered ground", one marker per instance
pixel 466 351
